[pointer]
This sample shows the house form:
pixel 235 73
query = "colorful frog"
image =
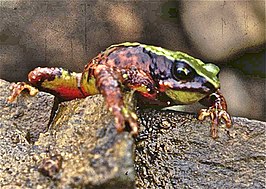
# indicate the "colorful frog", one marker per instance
pixel 158 75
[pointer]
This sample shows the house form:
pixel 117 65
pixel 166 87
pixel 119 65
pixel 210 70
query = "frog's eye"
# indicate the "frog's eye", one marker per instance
pixel 182 71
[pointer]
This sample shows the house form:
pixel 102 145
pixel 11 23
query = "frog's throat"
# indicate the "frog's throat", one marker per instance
pixel 184 97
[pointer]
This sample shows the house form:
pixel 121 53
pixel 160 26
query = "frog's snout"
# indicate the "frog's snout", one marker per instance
pixel 212 68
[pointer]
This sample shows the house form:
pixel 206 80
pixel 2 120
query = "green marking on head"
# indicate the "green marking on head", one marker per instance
pixel 208 71
pixel 126 44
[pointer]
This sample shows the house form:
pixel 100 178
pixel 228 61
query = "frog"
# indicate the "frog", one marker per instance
pixel 159 76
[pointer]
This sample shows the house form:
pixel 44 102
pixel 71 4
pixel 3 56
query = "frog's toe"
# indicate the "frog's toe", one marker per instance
pixel 203 113
pixel 123 116
pixel 17 88
pixel 134 127
pixel 119 122
pixel 131 118
pixel 226 117
pixel 216 115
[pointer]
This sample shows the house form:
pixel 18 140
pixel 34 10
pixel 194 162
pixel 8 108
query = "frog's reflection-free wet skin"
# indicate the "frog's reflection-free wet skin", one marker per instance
pixel 157 74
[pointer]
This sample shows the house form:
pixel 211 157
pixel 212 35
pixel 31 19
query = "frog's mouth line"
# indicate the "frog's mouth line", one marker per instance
pixel 197 85
pixel 189 92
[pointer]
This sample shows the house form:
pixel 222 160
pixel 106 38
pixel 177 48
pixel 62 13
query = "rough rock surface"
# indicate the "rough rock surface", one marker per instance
pixel 81 149
pixel 176 151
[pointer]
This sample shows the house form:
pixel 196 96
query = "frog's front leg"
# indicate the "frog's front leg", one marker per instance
pixel 217 111
pixel 109 87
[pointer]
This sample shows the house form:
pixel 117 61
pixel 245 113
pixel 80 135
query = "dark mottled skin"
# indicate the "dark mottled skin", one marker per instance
pixel 142 68
pixel 129 61
pixel 125 68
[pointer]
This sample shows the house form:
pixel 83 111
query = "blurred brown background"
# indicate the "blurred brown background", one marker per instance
pixel 67 33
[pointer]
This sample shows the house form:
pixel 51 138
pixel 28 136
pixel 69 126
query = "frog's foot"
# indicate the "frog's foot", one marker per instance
pixel 216 116
pixel 17 88
pixel 123 116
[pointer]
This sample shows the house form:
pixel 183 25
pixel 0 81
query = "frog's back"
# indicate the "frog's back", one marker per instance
pixel 125 56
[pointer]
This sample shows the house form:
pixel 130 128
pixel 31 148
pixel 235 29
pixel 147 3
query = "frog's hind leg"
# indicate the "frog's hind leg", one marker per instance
pixel 107 83
pixel 62 83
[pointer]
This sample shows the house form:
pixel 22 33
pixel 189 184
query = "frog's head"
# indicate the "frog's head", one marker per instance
pixel 191 80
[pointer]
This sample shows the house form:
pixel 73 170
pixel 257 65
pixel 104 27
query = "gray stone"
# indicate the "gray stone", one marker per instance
pixel 176 151
pixel 81 148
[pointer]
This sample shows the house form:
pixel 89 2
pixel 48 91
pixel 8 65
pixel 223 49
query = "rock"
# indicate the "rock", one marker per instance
pixel 19 121
pixel 93 154
pixel 81 148
pixel 176 151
